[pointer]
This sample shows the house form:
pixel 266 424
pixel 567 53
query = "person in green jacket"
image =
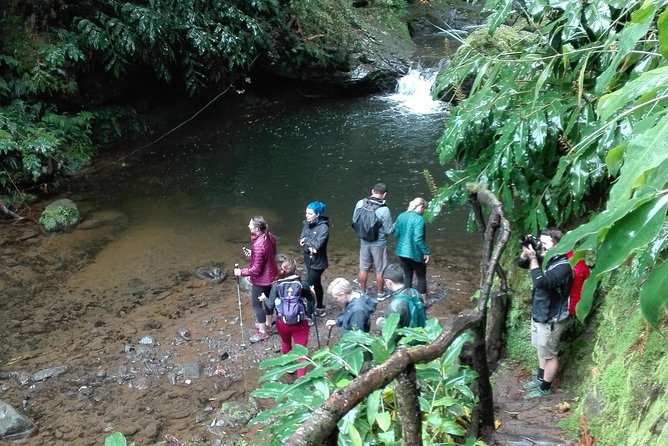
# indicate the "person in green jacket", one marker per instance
pixel 411 250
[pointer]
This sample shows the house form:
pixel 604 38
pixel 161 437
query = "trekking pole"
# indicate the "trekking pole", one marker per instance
pixel 315 319
pixel 241 318
pixel 329 335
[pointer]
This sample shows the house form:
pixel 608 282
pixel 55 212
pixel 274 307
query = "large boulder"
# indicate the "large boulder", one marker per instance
pixel 61 215
pixel 13 425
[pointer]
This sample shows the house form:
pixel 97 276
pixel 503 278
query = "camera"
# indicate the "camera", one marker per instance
pixel 530 240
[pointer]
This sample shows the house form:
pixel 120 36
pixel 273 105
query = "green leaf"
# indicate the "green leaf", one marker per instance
pixel 384 421
pixel 595 230
pixel 354 435
pixel 636 229
pixel 654 295
pixel 499 15
pixel 389 326
pixel 662 25
pixel 597 17
pixel 452 428
pixel 627 41
pixel 355 360
pixel 650 81
pixel 445 402
pixel 614 158
pixel 379 351
pixel 641 156
pixel 372 405
pixel 115 439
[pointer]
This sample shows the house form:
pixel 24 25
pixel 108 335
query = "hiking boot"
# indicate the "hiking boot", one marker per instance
pixel 537 393
pixel 530 385
pixel 320 312
pixel 382 296
pixel 258 337
pixel 271 329
pixel 310 322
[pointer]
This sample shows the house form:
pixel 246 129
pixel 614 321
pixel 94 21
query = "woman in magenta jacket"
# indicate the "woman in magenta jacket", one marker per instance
pixel 262 271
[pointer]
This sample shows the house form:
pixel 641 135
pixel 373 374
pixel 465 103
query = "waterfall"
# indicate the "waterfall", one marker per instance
pixel 413 92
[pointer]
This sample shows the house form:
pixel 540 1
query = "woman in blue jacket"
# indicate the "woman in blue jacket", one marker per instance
pixel 411 250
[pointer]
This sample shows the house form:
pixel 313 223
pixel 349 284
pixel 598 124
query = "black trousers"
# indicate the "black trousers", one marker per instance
pixel 411 267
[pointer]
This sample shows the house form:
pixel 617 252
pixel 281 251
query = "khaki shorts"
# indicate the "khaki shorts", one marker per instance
pixel 545 338
pixel 375 255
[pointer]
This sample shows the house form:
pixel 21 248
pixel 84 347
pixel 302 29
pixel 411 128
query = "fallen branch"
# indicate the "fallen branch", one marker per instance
pixel 6 211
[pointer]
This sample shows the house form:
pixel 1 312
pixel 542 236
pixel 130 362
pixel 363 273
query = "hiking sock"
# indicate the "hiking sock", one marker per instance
pixel 541 373
pixel 545 385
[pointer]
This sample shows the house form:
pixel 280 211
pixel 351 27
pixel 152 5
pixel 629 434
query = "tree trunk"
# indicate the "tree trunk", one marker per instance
pixel 408 407
pixel 496 327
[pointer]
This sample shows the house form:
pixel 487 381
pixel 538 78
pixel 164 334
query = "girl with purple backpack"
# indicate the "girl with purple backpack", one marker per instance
pixel 290 299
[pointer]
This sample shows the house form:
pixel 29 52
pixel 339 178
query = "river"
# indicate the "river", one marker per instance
pixel 130 339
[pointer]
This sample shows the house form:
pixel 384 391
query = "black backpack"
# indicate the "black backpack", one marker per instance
pixel 290 308
pixel 365 221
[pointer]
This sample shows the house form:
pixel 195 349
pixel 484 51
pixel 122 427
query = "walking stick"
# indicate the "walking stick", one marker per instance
pixel 241 318
pixel 329 335
pixel 315 319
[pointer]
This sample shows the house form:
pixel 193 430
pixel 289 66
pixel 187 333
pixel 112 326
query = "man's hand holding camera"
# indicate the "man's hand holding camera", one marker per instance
pixel 528 245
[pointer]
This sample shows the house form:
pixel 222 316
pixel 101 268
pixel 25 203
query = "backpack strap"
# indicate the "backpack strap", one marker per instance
pixel 564 290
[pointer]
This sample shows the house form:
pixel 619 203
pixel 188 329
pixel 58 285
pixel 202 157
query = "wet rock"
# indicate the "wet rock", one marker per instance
pixel 180 414
pixel 128 429
pixel 49 373
pixel 61 215
pixel 86 390
pixel 137 286
pixel 184 334
pixel 147 340
pixel 212 274
pixel 234 414
pixel 13 425
pixel 188 370
pixel 151 431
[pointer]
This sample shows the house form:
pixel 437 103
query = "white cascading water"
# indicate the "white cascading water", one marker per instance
pixel 413 91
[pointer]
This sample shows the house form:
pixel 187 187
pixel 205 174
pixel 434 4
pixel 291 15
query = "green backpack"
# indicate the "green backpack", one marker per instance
pixel 418 315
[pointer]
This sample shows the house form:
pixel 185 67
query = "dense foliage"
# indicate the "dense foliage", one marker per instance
pixel 63 62
pixel 569 124
pixel 445 397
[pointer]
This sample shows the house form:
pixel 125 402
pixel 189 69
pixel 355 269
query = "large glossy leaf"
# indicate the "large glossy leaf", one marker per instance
pixel 651 81
pixel 501 9
pixel 662 25
pixel 597 17
pixel 572 27
pixel 654 295
pixel 626 42
pixel 636 229
pixel 594 231
pixel 643 154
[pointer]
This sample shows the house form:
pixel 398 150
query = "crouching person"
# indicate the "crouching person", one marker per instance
pixel 405 301
pixel 357 307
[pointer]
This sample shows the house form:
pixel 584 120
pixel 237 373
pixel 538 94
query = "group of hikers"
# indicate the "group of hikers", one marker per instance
pixel 278 295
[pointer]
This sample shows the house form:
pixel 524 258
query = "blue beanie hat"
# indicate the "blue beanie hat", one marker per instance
pixel 316 206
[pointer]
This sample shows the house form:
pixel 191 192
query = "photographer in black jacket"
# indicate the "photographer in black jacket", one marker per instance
pixel 549 305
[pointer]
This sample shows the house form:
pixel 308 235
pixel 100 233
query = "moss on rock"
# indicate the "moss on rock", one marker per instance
pixel 59 216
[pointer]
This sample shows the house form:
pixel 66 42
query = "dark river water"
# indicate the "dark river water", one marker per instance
pixel 198 187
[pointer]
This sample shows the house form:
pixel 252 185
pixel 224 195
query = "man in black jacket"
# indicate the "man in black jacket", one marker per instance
pixel 549 307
